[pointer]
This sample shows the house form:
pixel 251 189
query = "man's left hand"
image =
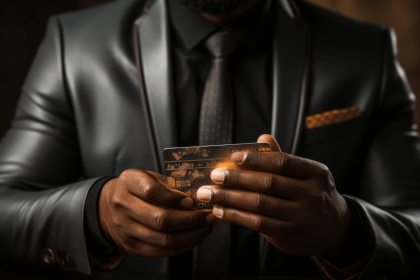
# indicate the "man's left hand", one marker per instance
pixel 291 201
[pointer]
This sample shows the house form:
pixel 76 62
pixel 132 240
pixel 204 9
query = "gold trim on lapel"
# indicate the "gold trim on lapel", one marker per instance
pixel 152 47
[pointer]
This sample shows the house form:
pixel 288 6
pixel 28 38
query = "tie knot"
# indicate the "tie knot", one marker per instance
pixel 221 44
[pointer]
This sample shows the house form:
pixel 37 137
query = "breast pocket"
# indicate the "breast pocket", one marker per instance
pixel 339 131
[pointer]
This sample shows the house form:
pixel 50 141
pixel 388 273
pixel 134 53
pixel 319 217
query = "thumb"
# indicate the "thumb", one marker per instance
pixel 159 177
pixel 267 138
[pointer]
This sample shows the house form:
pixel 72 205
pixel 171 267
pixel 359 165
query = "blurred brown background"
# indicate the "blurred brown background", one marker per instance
pixel 22 26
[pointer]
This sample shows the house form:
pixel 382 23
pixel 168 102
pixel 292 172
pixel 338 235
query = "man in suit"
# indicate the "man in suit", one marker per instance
pixel 99 102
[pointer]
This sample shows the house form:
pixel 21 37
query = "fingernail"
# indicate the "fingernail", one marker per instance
pixel 204 194
pixel 218 176
pixel 238 158
pixel 211 218
pixel 218 211
pixel 187 202
pixel 216 224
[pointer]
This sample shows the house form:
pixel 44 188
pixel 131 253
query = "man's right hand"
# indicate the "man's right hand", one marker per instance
pixel 145 218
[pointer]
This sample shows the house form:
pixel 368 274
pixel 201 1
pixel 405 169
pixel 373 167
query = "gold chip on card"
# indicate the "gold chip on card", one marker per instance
pixel 188 169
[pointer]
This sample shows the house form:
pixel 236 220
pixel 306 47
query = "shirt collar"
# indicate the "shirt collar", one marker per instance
pixel 193 28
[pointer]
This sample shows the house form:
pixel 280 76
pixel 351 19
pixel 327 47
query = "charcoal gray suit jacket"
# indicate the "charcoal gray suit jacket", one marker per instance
pixel 82 113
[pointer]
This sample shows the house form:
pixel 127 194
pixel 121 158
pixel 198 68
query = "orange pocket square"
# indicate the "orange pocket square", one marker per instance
pixel 333 116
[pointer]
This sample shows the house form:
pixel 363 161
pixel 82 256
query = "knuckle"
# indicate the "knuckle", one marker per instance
pixel 279 161
pixel 268 183
pixel 323 170
pixel 283 161
pixel 234 216
pixel 149 191
pixel 257 223
pixel 326 177
pixel 221 196
pixel 117 200
pixel 160 220
pixel 259 202
pixel 195 220
pixel 252 159
pixel 234 177
pixel 128 180
pixel 127 174
pixel 167 240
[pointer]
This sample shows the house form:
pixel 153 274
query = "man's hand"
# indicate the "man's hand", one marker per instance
pixel 145 218
pixel 290 200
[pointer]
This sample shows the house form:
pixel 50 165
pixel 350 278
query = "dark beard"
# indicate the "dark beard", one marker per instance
pixel 215 7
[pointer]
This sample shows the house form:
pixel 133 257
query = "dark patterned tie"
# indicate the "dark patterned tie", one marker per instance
pixel 212 256
pixel 216 117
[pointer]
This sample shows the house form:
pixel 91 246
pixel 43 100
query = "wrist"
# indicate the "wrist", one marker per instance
pixel 355 246
pixel 104 214
pixel 340 237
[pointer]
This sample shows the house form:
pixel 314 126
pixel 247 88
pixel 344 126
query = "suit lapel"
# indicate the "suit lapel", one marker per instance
pixel 155 78
pixel 289 8
pixel 291 72
pixel 290 77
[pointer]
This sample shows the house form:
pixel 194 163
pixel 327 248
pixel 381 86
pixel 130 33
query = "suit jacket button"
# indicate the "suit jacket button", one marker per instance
pixel 48 256
pixel 64 259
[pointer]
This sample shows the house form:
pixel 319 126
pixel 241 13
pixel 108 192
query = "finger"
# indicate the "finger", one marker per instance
pixel 165 219
pixel 267 138
pixel 249 201
pixel 279 163
pixel 263 182
pixel 159 177
pixel 252 221
pixel 169 239
pixel 145 186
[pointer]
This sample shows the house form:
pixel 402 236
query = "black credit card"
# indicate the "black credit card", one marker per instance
pixel 188 169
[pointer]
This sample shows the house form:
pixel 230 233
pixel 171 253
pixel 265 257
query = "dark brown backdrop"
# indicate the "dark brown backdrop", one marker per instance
pixel 22 26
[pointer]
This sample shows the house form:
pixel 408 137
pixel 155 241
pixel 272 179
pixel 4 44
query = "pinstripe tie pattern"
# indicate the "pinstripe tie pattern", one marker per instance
pixel 216 116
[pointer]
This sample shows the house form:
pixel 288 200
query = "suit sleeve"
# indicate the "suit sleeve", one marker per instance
pixel 389 196
pixel 41 202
